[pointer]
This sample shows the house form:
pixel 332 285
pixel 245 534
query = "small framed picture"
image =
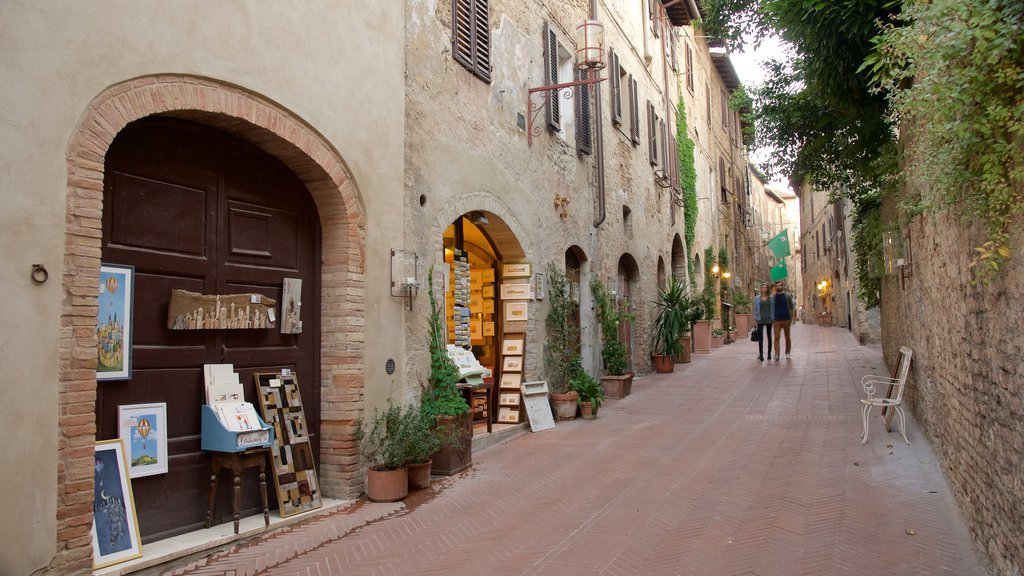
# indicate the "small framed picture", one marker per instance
pixel 512 344
pixel 487 275
pixel 143 427
pixel 508 415
pixel 512 364
pixel 511 380
pixel 488 307
pixel 487 291
pixel 515 291
pixel 488 329
pixel 538 286
pixel 508 399
pixel 114 327
pixel 515 311
pixel 115 526
pixel 516 270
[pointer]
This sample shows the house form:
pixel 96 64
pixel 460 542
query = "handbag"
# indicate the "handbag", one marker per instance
pixel 755 334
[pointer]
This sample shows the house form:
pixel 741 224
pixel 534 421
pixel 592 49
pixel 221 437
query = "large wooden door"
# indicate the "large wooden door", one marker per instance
pixel 192 207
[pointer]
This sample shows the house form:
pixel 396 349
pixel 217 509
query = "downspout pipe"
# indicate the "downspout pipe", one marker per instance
pixel 598 139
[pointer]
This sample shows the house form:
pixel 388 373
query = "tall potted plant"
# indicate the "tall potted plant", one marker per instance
pixel 424 439
pixel 561 356
pixel 617 382
pixel 741 304
pixel 441 401
pixel 693 310
pixel 384 442
pixel 669 325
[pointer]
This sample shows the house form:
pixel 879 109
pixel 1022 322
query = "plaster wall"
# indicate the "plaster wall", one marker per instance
pixel 56 57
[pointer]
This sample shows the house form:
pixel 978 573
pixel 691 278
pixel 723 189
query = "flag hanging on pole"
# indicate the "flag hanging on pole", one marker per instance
pixel 779 271
pixel 780 244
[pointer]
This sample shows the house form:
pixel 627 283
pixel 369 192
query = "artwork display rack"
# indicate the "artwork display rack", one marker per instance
pixel 515 292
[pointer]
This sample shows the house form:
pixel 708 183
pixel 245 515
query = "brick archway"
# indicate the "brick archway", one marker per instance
pixel 312 158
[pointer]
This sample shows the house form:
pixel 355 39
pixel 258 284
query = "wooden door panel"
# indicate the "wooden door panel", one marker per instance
pixel 196 209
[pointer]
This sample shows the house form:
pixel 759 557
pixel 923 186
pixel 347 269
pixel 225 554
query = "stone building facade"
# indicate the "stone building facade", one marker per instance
pixel 967 374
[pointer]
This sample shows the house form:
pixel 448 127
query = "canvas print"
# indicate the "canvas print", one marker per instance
pixel 294 469
pixel 114 324
pixel 115 528
pixel 143 428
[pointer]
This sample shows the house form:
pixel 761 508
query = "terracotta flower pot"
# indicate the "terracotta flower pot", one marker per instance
pixel 419 476
pixel 387 485
pixel 684 357
pixel 663 364
pixel 617 386
pixel 587 411
pixel 717 341
pixel 565 405
pixel 452 460
pixel 743 324
pixel 702 337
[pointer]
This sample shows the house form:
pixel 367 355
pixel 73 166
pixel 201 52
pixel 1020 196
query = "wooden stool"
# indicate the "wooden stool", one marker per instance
pixel 236 462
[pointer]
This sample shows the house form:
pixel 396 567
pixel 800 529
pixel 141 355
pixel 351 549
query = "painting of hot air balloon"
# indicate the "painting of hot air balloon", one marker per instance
pixel 143 427
pixel 114 322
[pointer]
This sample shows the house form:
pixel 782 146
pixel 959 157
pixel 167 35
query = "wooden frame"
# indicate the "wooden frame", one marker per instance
pixel 508 415
pixel 143 428
pixel 515 291
pixel 508 399
pixel 516 311
pixel 488 329
pixel 115 525
pixel 114 326
pixel 512 364
pixel 511 380
pixel 512 344
pixel 515 270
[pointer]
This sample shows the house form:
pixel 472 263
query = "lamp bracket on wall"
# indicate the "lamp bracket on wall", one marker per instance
pixel 535 106
pixel 404 274
pixel 662 179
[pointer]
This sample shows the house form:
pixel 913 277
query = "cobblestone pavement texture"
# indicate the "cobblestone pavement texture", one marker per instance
pixel 726 466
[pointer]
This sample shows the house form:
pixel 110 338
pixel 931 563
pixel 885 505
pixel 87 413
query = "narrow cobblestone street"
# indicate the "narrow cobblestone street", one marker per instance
pixel 726 466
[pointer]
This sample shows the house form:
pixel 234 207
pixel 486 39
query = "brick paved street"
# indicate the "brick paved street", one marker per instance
pixel 726 466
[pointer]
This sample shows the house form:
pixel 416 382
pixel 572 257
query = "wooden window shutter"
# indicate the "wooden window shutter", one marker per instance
pixel 471 36
pixel 616 86
pixel 674 57
pixel 673 159
pixel 551 77
pixel 652 134
pixel 583 140
pixel 482 39
pixel 634 108
pixel 655 25
pixel 661 145
pixel 689 67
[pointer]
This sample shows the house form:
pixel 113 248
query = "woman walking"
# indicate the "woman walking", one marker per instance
pixel 763 317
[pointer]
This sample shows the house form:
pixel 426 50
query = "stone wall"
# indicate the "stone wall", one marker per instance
pixel 967 376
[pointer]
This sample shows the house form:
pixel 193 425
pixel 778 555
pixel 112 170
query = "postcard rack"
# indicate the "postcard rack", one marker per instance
pixel 216 437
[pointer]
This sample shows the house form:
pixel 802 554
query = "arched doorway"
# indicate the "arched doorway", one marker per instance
pixel 574 259
pixel 678 259
pixel 627 276
pixel 477 247
pixel 698 269
pixel 662 277
pixel 191 207
pixel 323 172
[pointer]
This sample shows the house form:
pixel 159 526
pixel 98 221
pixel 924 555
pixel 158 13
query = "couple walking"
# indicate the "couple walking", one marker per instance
pixel 774 313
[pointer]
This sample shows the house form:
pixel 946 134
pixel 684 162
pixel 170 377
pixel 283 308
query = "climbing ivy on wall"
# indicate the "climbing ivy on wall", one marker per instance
pixel 688 182
pixel 953 73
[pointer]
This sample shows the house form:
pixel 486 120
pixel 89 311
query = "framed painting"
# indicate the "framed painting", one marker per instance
pixel 487 275
pixel 515 311
pixel 488 329
pixel 508 415
pixel 114 324
pixel 512 364
pixel 538 286
pixel 143 428
pixel 511 380
pixel 515 291
pixel 516 270
pixel 115 526
pixel 512 344
pixel 508 399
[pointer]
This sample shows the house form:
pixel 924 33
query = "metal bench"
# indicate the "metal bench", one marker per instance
pixel 893 398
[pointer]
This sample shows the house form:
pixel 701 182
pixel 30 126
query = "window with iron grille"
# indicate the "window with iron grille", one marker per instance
pixel 471 37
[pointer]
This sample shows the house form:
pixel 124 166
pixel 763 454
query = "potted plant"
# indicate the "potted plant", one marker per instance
pixel 424 438
pixel 717 338
pixel 442 403
pixel 741 304
pixel 693 310
pixel 561 356
pixel 702 328
pixel 669 325
pixel 385 442
pixel 617 382
pixel 591 394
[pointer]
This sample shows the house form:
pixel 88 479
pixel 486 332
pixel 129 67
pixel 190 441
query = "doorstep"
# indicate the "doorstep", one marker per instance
pixel 206 539
pixel 499 433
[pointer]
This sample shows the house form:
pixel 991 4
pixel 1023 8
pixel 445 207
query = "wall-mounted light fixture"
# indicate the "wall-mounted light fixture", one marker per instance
pixel 404 274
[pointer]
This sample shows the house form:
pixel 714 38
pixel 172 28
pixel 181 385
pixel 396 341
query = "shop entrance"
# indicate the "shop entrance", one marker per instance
pixel 195 208
pixel 484 242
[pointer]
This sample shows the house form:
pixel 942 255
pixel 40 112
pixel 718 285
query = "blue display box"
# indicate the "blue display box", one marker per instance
pixel 217 438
